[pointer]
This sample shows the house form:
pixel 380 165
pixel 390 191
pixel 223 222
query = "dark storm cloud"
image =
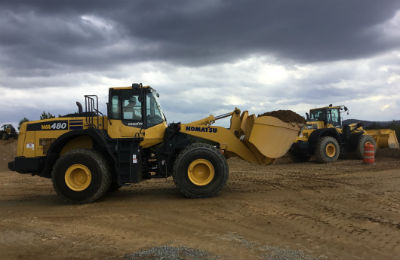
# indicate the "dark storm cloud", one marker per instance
pixel 46 37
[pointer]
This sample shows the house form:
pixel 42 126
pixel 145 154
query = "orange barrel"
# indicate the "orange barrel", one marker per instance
pixel 369 154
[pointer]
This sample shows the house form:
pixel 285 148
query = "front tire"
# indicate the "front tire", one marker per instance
pixel 200 171
pixel 298 155
pixel 327 150
pixel 81 176
pixel 364 139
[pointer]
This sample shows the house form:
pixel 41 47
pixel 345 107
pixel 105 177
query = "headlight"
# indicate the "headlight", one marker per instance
pixel 311 126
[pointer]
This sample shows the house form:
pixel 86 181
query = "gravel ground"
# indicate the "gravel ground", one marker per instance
pixel 171 253
pixel 184 253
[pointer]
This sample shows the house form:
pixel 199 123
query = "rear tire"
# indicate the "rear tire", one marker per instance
pixel 200 171
pixel 360 145
pixel 81 176
pixel 114 187
pixel 327 150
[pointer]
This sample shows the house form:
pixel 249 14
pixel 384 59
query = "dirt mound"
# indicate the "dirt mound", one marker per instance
pixel 286 116
pixel 8 149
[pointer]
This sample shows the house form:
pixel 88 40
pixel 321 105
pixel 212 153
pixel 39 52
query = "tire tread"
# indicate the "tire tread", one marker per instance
pixel 190 149
pixel 104 169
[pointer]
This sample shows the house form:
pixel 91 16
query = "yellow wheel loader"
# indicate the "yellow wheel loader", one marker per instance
pixel 87 154
pixel 8 131
pixel 325 137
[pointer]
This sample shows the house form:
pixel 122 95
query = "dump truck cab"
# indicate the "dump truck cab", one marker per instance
pixel 87 153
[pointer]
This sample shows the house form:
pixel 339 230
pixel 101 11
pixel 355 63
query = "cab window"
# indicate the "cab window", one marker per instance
pixel 317 115
pixel 126 106
pixel 131 108
pixel 115 107
pixel 153 111
pixel 334 117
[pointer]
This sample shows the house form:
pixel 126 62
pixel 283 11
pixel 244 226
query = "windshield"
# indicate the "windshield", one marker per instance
pixel 154 113
pixel 317 115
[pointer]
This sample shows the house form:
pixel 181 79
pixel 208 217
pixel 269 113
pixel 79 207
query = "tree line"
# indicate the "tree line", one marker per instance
pixel 44 115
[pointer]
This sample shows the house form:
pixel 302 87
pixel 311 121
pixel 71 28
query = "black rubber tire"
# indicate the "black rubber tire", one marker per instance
pixel 200 151
pixel 320 149
pixel 101 176
pixel 299 157
pixel 114 187
pixel 360 145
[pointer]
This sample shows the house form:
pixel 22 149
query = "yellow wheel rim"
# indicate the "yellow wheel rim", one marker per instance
pixel 330 150
pixel 78 177
pixel 201 172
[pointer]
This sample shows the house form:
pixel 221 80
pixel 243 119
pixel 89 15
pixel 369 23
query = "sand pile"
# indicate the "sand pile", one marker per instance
pixel 286 116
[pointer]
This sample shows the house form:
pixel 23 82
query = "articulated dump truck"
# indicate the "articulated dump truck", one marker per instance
pixel 87 153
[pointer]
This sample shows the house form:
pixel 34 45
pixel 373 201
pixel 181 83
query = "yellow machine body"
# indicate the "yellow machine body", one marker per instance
pixel 88 153
pixel 384 138
pixel 36 143
pixel 326 137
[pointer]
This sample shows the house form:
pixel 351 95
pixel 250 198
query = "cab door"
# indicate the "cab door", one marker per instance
pixel 125 114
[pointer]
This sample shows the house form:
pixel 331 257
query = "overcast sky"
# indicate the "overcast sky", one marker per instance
pixel 203 57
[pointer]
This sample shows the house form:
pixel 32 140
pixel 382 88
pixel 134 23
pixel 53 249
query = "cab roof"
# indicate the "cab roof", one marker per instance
pixel 118 88
pixel 327 107
pixel 135 87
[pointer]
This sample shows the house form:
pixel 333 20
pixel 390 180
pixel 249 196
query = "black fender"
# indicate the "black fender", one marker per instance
pixel 318 134
pixel 353 141
pixel 301 148
pixel 174 142
pixel 101 143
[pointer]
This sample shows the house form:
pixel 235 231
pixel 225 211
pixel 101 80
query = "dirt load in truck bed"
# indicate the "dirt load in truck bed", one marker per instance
pixel 286 116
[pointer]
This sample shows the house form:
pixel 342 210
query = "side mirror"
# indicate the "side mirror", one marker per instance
pixel 307 116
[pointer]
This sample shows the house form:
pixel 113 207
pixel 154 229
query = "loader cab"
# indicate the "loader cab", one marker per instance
pixel 134 112
pixel 329 115
pixel 135 106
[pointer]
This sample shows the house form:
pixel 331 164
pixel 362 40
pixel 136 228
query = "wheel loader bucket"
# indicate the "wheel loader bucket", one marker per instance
pixel 271 136
pixel 384 138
